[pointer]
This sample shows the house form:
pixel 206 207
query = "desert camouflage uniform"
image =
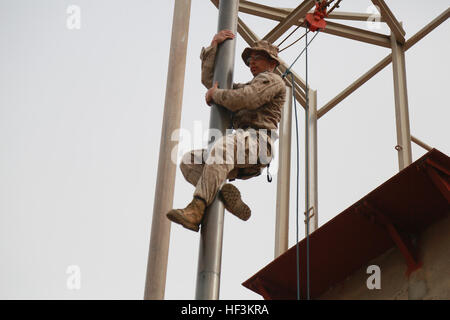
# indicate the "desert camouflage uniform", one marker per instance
pixel 255 105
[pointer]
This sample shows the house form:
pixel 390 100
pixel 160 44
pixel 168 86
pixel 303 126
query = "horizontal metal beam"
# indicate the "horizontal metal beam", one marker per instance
pixel 383 63
pixel 357 34
pixel 279 14
pixel 331 28
pixel 353 16
pixel 391 21
pixel 263 11
pixel 289 21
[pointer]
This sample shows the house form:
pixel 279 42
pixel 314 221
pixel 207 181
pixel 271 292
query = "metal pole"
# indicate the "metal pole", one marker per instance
pixel 421 143
pixel 401 104
pixel 160 233
pixel 312 194
pixel 417 286
pixel 284 177
pixel 211 238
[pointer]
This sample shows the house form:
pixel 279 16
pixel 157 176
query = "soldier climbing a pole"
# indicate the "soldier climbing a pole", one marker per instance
pixel 256 108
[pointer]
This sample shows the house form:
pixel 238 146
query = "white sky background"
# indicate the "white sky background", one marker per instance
pixel 80 124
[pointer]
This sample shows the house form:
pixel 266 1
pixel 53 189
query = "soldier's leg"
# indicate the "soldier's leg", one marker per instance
pixel 191 165
pixel 229 153
pixel 258 154
pixel 218 167
pixel 246 161
pixel 196 171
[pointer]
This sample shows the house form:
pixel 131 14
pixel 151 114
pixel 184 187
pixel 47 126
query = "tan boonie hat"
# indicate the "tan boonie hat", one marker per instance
pixel 262 45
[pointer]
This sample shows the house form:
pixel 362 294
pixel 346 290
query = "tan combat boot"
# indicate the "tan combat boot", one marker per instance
pixel 191 216
pixel 233 203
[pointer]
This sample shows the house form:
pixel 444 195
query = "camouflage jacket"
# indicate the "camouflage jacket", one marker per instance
pixel 256 104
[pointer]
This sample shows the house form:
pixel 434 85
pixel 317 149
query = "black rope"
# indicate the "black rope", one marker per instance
pixel 296 201
pixel 287 72
pixel 307 164
pixel 307 209
pixel 269 176
pixel 290 34
pixel 292 43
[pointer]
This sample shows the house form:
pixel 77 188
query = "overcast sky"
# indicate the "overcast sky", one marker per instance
pixel 80 125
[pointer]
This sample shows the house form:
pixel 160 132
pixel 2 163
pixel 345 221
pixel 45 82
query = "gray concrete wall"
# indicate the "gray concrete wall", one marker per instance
pixel 432 281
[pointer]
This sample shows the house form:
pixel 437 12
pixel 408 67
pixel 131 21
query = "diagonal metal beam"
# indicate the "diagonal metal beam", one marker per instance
pixel 331 28
pixel 439 182
pixel 392 22
pixel 421 143
pixel 355 85
pixel 299 84
pixel 289 21
pixel 427 29
pixel 403 243
pixel 383 63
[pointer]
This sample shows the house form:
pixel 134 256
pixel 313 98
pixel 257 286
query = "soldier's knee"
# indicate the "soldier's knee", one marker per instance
pixel 186 161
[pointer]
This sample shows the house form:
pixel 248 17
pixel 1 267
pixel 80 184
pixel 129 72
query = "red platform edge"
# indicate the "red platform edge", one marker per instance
pixel 393 214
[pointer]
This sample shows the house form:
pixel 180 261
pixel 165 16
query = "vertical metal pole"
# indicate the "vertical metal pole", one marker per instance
pixel 401 104
pixel 284 177
pixel 160 233
pixel 211 238
pixel 312 194
pixel 417 284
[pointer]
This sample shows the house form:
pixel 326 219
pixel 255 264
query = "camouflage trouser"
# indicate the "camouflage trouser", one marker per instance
pixel 239 155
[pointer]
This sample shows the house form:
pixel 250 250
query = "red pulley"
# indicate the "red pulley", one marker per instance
pixel 316 20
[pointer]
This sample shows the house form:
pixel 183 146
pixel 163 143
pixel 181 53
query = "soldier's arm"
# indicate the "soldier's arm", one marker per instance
pixel 252 96
pixel 208 56
pixel 239 85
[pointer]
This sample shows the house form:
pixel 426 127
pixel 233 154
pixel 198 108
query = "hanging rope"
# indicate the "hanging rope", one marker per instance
pixel 322 5
pixel 307 209
pixel 293 43
pixel 287 72
pixel 296 202
pixel 307 163
pixel 290 34
pixel 336 5
pixel 290 45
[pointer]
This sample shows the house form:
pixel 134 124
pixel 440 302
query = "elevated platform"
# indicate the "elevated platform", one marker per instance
pixel 393 214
